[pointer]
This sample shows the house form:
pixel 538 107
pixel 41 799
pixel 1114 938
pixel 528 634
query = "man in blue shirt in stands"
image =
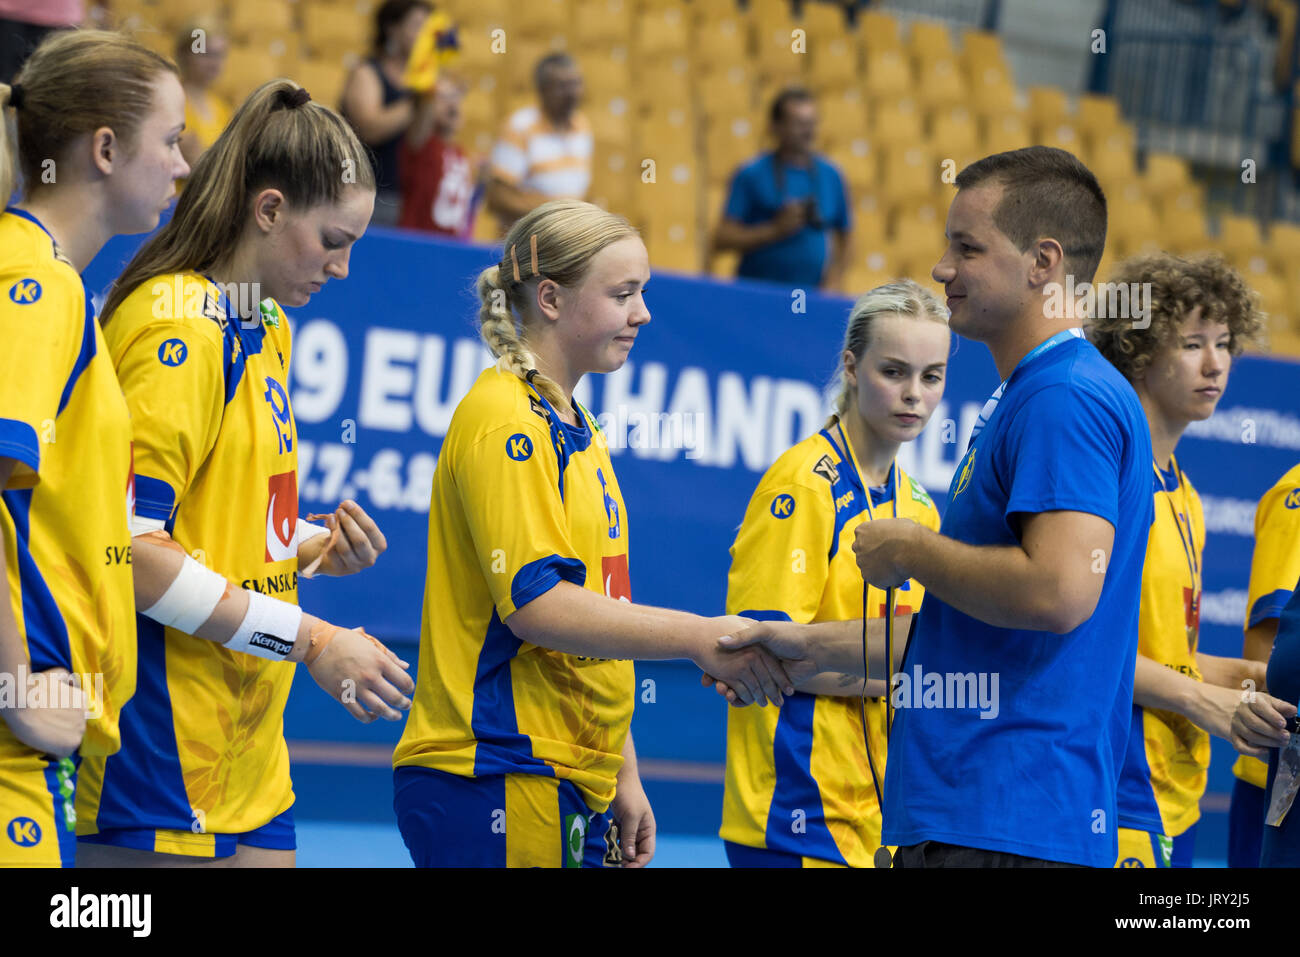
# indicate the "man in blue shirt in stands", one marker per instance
pixel 788 211
pixel 1033 579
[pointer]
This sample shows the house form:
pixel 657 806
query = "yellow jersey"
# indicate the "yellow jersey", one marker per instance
pixel 65 524
pixel 521 501
pixel 798 779
pixel 216 453
pixel 1274 574
pixel 1168 757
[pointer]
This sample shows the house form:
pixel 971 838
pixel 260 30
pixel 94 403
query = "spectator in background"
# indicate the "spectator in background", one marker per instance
pixel 437 176
pixel 788 211
pixel 200 55
pixel 24 24
pixel 377 103
pixel 544 152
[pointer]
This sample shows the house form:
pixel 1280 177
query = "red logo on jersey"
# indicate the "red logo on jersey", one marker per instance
pixel 281 516
pixel 618 584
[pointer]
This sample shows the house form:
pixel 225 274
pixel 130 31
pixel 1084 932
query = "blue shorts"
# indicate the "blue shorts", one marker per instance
pixel 1246 816
pixel 276 835
pixel 499 820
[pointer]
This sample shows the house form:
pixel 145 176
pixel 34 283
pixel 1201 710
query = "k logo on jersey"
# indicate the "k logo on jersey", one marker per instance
pixel 173 352
pixel 1292 499
pixel 783 506
pixel 282 517
pixel 24 832
pixel 519 447
pixel 25 292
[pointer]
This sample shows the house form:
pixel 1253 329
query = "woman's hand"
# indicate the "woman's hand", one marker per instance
pixel 354 542
pixel 636 822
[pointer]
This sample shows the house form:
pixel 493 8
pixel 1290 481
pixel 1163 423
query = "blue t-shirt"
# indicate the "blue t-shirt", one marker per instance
pixel 757 195
pixel 1031 768
pixel 1281 846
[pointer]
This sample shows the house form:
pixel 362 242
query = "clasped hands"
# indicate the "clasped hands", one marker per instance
pixel 759 661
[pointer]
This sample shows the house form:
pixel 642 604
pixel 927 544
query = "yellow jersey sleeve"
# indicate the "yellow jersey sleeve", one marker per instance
pixel 40 354
pixel 509 484
pixel 1275 566
pixel 781 557
pixel 174 381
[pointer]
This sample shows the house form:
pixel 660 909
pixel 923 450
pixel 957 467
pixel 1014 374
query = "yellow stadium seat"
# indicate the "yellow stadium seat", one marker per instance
pixel 981 49
pixel 675 248
pixel 611 118
pixel 1273 299
pixel 1284 248
pixel 175 14
pixel 954 134
pixel 1097 115
pixel 769 13
pixel 1183 229
pixel 660 33
pixel 823 20
pixel 245 71
pixel 614 176
pixel 841 117
pixel 728 143
pixel 1132 218
pixel 601 22
pixel 1114 149
pixel 1048 106
pixel 870 224
pixel 869 268
pixel 896 121
pixel 994 99
pixel 1005 132
pixel 909 171
pixel 323 79
pixel 674 194
pixel 774 51
pixel 1239 238
pixel 721 45
pixel 540 19
pixel 858 163
pixel 941 84
pixel 666 82
pixel 879 32
pixel 486 13
pixel 833 63
pixel 669 129
pixel 605 74
pixel 918 225
pixel 1063 136
pixel 887 75
pixel 929 40
pixel 726 93
pixel 341 31
pixel 1165 172
pixel 249 19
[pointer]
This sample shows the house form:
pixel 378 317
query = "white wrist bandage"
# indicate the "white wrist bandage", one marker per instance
pixel 189 599
pixel 269 628
pixel 307 530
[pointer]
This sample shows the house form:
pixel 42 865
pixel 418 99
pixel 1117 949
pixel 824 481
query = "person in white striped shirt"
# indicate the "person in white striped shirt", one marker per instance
pixel 544 151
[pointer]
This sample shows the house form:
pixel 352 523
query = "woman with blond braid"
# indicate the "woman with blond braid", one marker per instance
pixel 517 751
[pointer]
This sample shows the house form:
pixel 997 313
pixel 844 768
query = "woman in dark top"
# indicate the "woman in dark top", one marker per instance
pixel 376 102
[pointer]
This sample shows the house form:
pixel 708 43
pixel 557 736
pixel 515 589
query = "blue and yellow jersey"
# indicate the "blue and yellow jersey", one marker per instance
pixel 1168 756
pixel 65 522
pixel 521 501
pixel 216 461
pixel 1274 574
pixel 798 779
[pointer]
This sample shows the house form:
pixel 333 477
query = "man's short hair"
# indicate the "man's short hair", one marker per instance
pixel 791 94
pixel 550 62
pixel 1048 193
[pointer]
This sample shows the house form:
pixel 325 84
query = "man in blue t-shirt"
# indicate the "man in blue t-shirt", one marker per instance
pixel 1033 579
pixel 787 212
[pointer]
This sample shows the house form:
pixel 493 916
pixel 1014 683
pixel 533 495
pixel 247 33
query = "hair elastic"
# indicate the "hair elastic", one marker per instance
pixel 297 98
pixel 16 96
pixel 531 375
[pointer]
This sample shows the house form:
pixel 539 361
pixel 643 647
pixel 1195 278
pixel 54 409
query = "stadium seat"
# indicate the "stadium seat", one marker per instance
pixel 252 19
pixel 606 73
pixel 833 63
pixel 659 33
pixel 665 81
pixel 611 117
pixel 540 19
pixel 867 269
pixel 842 117
pixel 726 93
pixel 323 79
pixel 909 171
pixel 1183 228
pixel 1164 172
pixel 245 71
pixel 1283 249
pixel 981 50
pixel 887 75
pixel 669 129
pixel 720 45
pixel 824 21
pixel 613 177
pixel 774 52
pixel 601 22
pixel 940 84
pixel 1048 107
pixel 879 32
pixel 1239 238
pixel 728 143
pixel 858 163
pixel 341 30
pixel 928 41
pixel 1008 131
pixel 994 99
pixel 894 121
pixel 1097 115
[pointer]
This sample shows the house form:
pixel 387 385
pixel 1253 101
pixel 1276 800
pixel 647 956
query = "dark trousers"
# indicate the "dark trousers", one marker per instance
pixel 936 854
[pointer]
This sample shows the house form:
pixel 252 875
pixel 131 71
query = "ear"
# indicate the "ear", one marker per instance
pixel 269 209
pixel 850 368
pixel 549 298
pixel 1048 263
pixel 104 149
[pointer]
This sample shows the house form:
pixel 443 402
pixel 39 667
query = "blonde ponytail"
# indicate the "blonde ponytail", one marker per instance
pixel 555 241
pixel 8 160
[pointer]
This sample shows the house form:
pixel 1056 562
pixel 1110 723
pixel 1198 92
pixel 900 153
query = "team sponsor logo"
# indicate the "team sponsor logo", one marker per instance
pixel 919 494
pixel 843 501
pixel 827 470
pixel 173 352
pixel 539 409
pixel 270 315
pixel 783 506
pixel 964 479
pixel 1131 862
pixel 261 639
pixel 1293 498
pixel 618 584
pixel 25 292
pixel 611 506
pixel 575 839
pixel 519 447
pixel 281 417
pixel 24 832
pixel 281 516
pixel 272 584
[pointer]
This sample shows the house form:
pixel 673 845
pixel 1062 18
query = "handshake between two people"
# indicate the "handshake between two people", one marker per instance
pixel 758 662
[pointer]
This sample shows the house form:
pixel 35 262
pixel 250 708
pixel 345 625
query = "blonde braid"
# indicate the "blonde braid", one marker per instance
pixel 498 330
